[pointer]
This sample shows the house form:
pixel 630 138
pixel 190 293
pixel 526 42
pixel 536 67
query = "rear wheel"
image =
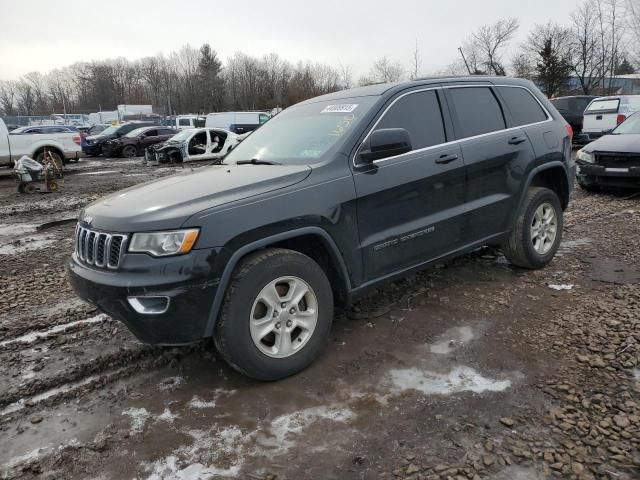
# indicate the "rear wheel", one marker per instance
pixel 276 316
pixel 129 151
pixel 537 233
pixel 55 157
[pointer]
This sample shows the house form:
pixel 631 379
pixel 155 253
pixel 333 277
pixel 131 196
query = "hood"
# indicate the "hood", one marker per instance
pixel 167 203
pixel 628 143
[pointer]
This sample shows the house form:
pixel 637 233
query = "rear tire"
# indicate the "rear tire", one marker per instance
pixel 537 232
pixel 54 156
pixel 261 332
pixel 129 151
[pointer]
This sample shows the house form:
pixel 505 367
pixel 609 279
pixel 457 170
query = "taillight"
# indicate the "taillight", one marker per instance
pixel 620 118
pixel 76 139
pixel 569 130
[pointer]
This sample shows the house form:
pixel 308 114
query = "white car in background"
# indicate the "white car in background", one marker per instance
pixel 193 144
pixel 60 145
pixel 604 114
pixel 237 122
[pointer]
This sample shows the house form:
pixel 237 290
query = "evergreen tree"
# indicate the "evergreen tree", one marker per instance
pixel 552 69
pixel 211 88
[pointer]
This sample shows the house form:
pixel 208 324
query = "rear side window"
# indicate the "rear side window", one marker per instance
pixel 562 105
pixel 524 108
pixel 603 106
pixel 477 111
pixel 184 122
pixel 418 113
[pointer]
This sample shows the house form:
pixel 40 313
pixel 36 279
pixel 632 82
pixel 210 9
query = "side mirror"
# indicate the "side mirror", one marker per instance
pixel 384 143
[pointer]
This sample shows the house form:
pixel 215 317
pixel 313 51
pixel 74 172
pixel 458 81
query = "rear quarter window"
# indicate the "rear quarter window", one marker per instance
pixel 603 106
pixel 477 111
pixel 524 108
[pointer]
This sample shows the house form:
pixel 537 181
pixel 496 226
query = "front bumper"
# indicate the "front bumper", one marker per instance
pixel 594 174
pixel 187 280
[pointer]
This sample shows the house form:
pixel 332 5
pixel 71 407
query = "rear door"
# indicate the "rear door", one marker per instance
pixel 601 115
pixel 410 206
pixel 149 137
pixel 495 158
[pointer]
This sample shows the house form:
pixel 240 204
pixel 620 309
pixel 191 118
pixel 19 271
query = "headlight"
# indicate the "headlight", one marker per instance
pixel 161 244
pixel 585 156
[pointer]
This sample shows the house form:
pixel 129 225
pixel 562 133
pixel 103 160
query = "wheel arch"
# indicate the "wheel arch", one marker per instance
pixel 552 175
pixel 51 148
pixel 314 242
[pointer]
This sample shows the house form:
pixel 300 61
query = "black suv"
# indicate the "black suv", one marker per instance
pixel 93 144
pixel 330 198
pixel 572 110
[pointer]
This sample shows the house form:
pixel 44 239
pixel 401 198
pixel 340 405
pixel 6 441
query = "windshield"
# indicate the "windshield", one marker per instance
pixel 303 134
pixel 630 126
pixel 183 135
pixel 136 132
pixel 110 130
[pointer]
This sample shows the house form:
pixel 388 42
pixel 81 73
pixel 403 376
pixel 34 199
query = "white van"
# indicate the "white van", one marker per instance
pixel 184 122
pixel 237 122
pixel 606 113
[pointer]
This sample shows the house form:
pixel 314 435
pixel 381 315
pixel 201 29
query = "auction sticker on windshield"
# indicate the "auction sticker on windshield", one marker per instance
pixel 342 108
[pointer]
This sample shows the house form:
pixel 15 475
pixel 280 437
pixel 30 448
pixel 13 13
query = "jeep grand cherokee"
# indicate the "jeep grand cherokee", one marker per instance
pixel 330 198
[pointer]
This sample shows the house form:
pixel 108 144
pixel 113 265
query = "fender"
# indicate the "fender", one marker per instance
pixel 253 246
pixel 529 179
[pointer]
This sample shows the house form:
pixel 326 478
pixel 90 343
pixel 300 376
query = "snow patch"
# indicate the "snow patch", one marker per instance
pixel 32 337
pixel 285 428
pixel 168 416
pixel 171 383
pixel 636 374
pixel 139 417
pixel 453 338
pixel 460 379
pixel 26 244
pixel 197 403
pixel 563 286
pixel 9 230
pixel 100 172
pixel 214 453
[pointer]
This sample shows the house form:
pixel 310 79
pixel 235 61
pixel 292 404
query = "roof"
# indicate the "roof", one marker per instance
pixel 382 88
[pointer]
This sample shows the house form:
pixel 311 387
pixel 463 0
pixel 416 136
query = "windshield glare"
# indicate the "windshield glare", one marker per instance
pixel 136 132
pixel 303 134
pixel 630 126
pixel 110 130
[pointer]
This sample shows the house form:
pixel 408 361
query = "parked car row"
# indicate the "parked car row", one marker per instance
pixel 194 144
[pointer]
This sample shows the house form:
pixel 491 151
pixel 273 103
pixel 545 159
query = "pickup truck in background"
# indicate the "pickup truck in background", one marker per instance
pixel 61 146
pixel 605 113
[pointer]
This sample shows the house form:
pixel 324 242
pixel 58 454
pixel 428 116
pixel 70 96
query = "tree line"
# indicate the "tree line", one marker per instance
pixel 601 39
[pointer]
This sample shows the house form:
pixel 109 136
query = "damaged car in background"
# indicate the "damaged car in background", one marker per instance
pixel 134 143
pixel 613 160
pixel 193 144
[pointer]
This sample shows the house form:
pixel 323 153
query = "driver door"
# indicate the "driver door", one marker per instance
pixel 198 146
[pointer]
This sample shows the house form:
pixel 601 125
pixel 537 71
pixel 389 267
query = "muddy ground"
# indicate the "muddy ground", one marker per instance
pixel 472 369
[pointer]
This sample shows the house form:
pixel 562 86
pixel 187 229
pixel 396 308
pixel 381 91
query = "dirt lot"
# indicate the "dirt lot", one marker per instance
pixel 472 369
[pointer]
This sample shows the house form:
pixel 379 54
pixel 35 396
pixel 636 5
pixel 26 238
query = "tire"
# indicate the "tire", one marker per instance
pixel 271 358
pixel 57 159
pixel 129 151
pixel 522 248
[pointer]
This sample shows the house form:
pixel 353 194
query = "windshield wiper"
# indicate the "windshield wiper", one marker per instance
pixel 257 161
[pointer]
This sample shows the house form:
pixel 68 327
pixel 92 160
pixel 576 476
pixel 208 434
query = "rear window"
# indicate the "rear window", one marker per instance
pixel 524 108
pixel 477 111
pixel 602 106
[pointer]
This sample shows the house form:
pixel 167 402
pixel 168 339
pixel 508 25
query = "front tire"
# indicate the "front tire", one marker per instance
pixel 276 316
pixel 537 232
pixel 129 151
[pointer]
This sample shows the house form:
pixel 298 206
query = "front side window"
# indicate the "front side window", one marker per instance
pixel 524 108
pixel 263 118
pixel 477 111
pixel 418 113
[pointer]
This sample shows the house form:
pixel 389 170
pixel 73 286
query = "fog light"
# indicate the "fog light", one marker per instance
pixel 149 305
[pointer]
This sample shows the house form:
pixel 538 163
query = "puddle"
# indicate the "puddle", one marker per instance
pixel 460 379
pixel 609 270
pixel 26 244
pixel 636 374
pixel 100 172
pixel 31 337
pixel 452 339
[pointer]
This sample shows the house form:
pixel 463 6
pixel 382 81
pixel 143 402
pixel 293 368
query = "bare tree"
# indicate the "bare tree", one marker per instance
pixel 491 40
pixel 383 71
pixel 522 66
pixel 415 62
pixel 586 57
pixel 632 13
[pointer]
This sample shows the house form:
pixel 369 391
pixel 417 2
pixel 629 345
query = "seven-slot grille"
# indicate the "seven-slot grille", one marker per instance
pixel 613 160
pixel 101 249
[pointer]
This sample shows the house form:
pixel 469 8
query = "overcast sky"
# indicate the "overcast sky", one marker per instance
pixel 45 34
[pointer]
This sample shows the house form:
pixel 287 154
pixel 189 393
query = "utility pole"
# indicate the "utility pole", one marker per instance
pixel 464 60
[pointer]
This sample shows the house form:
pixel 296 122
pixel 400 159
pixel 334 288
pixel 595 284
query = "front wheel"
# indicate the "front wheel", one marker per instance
pixel 276 315
pixel 537 233
pixel 129 151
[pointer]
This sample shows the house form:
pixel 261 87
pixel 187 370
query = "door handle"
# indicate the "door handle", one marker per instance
pixel 517 140
pixel 447 158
